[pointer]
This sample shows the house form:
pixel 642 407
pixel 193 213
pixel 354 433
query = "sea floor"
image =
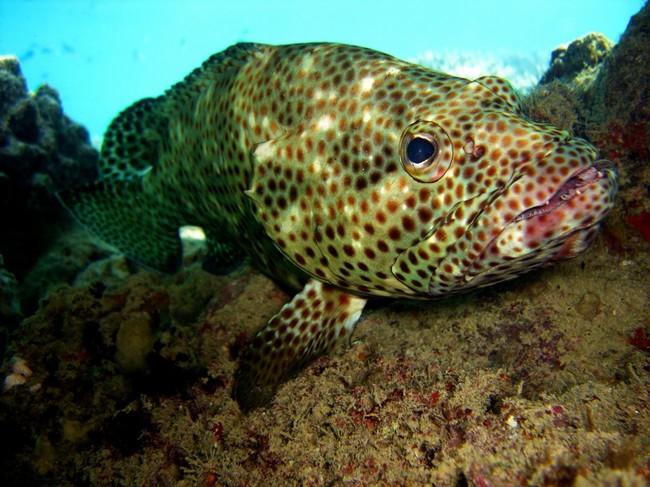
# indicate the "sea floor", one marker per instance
pixel 541 381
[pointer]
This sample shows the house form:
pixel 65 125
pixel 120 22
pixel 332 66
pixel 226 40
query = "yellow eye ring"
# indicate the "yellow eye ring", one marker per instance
pixel 426 151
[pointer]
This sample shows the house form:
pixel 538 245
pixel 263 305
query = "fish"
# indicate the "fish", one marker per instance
pixel 345 174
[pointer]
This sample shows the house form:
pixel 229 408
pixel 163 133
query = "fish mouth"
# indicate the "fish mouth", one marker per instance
pixel 572 187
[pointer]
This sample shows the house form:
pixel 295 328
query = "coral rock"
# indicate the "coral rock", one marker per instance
pixel 586 53
pixel 9 305
pixel 620 92
pixel 134 342
pixel 41 151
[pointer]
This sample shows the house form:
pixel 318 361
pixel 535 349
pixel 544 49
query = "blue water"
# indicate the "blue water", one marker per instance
pixel 103 55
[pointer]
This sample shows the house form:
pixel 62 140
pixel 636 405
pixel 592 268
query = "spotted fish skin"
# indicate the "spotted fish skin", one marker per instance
pixel 348 170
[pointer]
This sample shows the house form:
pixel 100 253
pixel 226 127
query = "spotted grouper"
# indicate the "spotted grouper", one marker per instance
pixel 344 173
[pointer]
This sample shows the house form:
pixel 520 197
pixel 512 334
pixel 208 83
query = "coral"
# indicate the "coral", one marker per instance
pixel 134 342
pixel 618 121
pixel 14 86
pixel 562 95
pixel 602 95
pixel 619 101
pixel 639 339
pixel 9 305
pixel 19 374
pixel 73 256
pixel 525 381
pixel 41 150
pixel 556 103
pixel 641 222
pixel 581 57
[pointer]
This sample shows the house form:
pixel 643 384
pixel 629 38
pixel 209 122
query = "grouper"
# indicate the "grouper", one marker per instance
pixel 343 173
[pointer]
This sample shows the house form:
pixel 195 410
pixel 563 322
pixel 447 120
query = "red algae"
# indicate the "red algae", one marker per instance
pixel 639 339
pixel 640 222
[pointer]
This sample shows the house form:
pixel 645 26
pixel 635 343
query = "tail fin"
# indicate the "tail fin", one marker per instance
pixel 123 215
pixel 117 208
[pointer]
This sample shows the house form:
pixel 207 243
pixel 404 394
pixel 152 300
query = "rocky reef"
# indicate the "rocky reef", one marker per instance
pixel 41 151
pixel 599 91
pixel 540 381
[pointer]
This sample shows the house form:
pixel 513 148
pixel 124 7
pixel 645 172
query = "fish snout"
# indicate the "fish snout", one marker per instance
pixel 592 188
pixel 532 222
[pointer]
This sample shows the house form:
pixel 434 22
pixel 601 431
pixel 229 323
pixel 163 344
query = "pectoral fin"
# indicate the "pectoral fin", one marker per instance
pixel 222 256
pixel 305 328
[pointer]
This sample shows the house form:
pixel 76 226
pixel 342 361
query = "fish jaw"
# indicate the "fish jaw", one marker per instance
pixel 560 229
pixel 483 254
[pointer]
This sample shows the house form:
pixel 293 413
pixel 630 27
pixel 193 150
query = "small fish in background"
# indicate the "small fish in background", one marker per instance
pixel 27 55
pixel 137 55
pixel 344 173
pixel 35 49
pixel 30 53
pixel 68 49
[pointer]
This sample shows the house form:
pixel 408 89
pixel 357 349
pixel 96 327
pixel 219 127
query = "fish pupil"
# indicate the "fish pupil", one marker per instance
pixel 419 150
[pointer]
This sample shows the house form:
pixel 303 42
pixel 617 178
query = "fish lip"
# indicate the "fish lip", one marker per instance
pixel 571 187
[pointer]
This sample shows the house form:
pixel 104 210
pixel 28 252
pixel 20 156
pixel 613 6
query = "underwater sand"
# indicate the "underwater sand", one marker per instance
pixel 535 382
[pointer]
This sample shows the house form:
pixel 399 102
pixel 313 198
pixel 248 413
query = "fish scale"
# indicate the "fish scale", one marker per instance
pixel 345 173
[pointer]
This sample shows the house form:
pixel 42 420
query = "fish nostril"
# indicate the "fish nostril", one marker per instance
pixel 474 151
pixel 478 152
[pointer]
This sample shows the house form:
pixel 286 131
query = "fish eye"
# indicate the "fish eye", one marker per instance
pixel 426 151
pixel 419 150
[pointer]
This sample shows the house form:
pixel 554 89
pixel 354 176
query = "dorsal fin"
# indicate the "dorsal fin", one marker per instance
pixel 503 89
pixel 135 137
pixel 216 67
